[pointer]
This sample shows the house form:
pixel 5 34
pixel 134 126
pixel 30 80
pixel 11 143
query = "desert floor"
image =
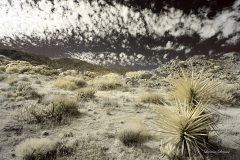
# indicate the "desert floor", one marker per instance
pixel 94 133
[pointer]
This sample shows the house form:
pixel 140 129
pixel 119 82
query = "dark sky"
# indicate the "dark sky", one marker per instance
pixel 139 33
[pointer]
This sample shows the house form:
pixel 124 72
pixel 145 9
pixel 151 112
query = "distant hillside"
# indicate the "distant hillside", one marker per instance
pixel 63 63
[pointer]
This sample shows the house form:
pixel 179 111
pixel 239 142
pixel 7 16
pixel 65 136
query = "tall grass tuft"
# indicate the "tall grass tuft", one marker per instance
pixel 186 128
pixel 193 88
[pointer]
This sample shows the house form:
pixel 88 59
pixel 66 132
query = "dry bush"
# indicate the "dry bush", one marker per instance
pixel 86 93
pixel 2 77
pixel 57 109
pixel 186 128
pixel 2 69
pixel 152 98
pixel 24 89
pixel 135 134
pixel 194 88
pixel 224 94
pixel 69 83
pixel 18 67
pixel 10 80
pixel 65 105
pixel 26 67
pixel 38 82
pixel 69 73
pixel 135 74
pixel 35 149
pixel 90 74
pixel 24 78
pixel 67 147
pixel 108 82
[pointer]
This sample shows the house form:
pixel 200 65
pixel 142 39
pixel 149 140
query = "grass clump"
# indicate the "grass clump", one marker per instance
pixel 109 81
pixel 86 93
pixel 69 73
pixel 58 109
pixel 35 149
pixel 25 90
pixel 135 74
pixel 186 129
pixel 2 69
pixel 69 83
pixel 135 134
pixel 152 98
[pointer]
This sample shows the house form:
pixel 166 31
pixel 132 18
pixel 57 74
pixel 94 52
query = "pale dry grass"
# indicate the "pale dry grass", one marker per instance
pixel 35 149
pixel 2 69
pixel 69 83
pixel 69 73
pixel 57 109
pixel 86 93
pixel 135 74
pixel 152 97
pixel 134 134
pixel 109 81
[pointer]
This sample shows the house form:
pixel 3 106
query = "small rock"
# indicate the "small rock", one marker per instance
pixel 45 133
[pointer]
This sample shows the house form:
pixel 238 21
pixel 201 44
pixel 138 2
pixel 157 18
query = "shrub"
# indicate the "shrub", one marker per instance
pixel 90 74
pixel 2 77
pixel 131 137
pixel 2 69
pixel 108 82
pixel 65 105
pixel 57 109
pixel 224 94
pixel 25 78
pixel 38 82
pixel 69 83
pixel 152 98
pixel 186 128
pixel 135 134
pixel 192 88
pixel 86 93
pixel 35 149
pixel 25 90
pixel 69 73
pixel 135 74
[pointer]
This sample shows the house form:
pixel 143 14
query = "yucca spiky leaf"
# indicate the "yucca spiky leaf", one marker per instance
pixel 193 88
pixel 186 127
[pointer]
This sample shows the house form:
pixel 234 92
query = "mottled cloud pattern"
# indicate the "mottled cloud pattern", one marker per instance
pixel 89 23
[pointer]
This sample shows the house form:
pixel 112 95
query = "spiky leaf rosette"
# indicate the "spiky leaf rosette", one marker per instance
pixel 193 88
pixel 186 128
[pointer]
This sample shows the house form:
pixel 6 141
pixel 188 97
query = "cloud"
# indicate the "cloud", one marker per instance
pixel 89 22
pixel 20 18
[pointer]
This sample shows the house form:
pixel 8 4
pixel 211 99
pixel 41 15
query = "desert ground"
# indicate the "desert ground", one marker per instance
pixel 64 114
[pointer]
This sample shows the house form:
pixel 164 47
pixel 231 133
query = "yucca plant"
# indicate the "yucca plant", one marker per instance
pixel 186 128
pixel 193 88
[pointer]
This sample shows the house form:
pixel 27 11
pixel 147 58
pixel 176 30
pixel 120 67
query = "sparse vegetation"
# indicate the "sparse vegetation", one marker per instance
pixel 108 82
pixel 2 69
pixel 57 109
pixel 110 126
pixel 24 89
pixel 35 149
pixel 69 83
pixel 69 73
pixel 132 138
pixel 135 74
pixel 152 98
pixel 86 93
